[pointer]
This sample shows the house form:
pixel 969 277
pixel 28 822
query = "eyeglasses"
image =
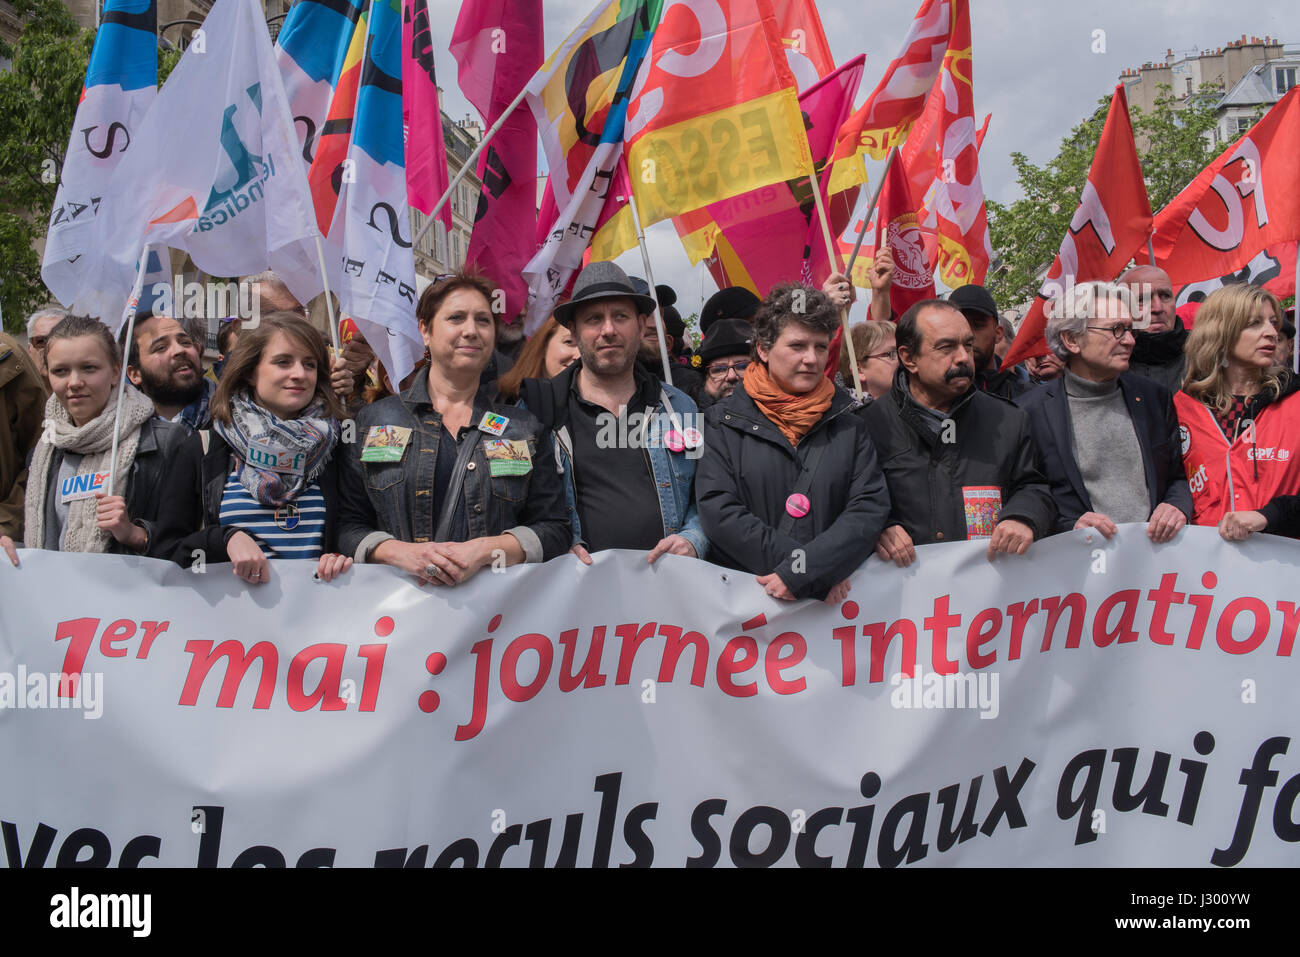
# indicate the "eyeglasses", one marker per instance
pixel 718 373
pixel 1119 330
pixel 891 355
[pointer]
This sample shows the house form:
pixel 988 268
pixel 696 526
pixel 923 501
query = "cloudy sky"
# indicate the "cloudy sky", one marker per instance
pixel 1034 65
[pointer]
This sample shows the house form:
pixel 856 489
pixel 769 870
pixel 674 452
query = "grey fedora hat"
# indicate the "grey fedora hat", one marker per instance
pixel 602 280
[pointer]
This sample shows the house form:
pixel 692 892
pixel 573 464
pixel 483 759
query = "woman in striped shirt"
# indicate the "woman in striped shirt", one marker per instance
pixel 264 484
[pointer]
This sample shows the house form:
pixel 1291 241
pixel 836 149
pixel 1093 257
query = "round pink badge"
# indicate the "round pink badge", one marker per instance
pixel 694 439
pixel 798 505
pixel 674 441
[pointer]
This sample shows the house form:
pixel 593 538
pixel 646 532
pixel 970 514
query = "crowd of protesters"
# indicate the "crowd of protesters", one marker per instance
pixel 497 451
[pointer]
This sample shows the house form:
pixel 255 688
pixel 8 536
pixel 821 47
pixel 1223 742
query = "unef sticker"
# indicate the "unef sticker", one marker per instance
pixel 983 503
pixel 83 485
pixel 493 424
pixel 385 443
pixel 508 456
pixel 265 457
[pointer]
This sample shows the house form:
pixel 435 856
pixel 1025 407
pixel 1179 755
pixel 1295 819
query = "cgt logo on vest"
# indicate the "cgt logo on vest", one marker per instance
pixel 1268 455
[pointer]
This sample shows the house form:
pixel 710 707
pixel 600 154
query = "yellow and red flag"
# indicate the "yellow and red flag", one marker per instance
pixel 939 36
pixel 329 165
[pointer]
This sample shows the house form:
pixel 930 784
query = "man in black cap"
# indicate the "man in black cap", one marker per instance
pixel 723 358
pixel 627 443
pixel 977 305
pixel 684 377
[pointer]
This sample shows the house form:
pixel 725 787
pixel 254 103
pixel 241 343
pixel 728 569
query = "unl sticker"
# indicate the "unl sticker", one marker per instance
pixel 508 456
pixel 84 485
pixel 983 502
pixel 385 443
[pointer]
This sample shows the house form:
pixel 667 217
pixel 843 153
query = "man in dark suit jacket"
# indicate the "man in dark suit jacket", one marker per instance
pixel 1109 438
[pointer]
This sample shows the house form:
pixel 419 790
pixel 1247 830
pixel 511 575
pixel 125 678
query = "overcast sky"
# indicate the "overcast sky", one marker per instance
pixel 1034 68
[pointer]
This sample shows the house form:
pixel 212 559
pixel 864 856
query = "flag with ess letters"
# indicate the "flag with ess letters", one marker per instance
pixel 1112 221
pixel 120 87
pixel 214 172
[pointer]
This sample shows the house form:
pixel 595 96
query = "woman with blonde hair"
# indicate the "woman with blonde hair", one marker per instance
pixel 1238 412
pixel 873 345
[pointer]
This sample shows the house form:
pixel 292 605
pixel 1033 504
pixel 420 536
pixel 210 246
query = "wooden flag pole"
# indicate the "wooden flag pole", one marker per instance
pixel 329 303
pixel 833 260
pixel 468 165
pixel 132 307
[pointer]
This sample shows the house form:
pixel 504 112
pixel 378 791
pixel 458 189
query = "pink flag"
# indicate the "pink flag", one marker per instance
pixel 774 231
pixel 498 45
pixel 426 154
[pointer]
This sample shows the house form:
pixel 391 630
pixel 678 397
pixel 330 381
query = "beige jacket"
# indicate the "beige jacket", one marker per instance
pixel 22 410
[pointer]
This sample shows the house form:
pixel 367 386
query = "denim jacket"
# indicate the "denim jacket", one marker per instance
pixel 386 500
pixel 673 471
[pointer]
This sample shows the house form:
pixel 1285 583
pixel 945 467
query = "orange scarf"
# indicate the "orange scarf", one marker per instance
pixel 794 415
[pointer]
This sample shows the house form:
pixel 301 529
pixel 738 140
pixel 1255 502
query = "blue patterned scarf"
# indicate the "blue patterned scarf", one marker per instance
pixel 301 448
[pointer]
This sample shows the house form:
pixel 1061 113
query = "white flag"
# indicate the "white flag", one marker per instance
pixel 121 84
pixel 214 171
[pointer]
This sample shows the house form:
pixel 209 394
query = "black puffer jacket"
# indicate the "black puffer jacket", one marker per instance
pixel 749 469
pixel 991 446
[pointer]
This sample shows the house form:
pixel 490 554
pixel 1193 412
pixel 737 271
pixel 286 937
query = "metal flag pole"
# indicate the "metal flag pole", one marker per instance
pixel 132 306
pixel 469 164
pixel 875 198
pixel 650 281
pixel 832 258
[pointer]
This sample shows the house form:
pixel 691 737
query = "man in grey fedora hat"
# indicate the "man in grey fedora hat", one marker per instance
pixel 627 443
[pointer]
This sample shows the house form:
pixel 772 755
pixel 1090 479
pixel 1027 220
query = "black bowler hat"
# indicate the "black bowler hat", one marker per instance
pixel 602 280
pixel 733 302
pixel 729 337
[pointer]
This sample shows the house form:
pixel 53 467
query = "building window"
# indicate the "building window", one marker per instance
pixel 1285 77
pixel 1243 123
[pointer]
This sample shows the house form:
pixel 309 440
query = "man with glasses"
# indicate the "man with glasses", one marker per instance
pixel 1109 438
pixel 723 357
pixel 39 324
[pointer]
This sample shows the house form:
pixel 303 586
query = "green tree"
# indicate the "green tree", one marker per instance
pixel 38 103
pixel 38 100
pixel 1173 148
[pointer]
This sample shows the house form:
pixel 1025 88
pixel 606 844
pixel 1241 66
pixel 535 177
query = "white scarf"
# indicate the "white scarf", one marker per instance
pixel 93 441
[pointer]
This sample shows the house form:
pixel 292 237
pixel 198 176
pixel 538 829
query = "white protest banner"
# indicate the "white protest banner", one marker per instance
pixel 1118 703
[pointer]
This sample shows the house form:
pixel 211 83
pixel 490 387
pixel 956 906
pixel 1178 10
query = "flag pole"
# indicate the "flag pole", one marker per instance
pixel 1295 304
pixel 650 281
pixel 132 306
pixel 834 262
pixel 875 198
pixel 329 302
pixel 469 164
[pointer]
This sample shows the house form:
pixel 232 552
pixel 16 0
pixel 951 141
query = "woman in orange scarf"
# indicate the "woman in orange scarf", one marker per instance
pixel 788 486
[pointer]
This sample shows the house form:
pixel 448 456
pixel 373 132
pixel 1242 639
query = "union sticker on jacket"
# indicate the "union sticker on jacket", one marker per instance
pixel 508 456
pixel 385 443
pixel 982 502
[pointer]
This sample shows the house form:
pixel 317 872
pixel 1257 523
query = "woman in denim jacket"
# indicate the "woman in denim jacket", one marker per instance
pixel 441 482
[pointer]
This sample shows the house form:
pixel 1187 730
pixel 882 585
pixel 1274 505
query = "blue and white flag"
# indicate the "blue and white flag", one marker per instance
pixel 214 171
pixel 121 84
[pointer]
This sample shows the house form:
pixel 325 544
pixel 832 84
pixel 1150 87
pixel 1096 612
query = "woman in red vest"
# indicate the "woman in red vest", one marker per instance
pixel 1238 411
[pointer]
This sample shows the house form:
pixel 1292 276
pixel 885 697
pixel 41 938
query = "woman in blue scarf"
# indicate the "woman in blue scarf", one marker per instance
pixel 264 483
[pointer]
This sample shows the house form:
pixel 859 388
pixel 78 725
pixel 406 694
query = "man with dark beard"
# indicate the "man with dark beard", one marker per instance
pixel 959 462
pixel 163 362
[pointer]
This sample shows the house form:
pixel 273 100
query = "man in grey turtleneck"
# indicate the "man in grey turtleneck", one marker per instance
pixel 1109 439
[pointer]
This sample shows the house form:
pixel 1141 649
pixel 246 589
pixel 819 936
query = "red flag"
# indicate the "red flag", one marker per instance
pixel 806 49
pixel 498 46
pixel 1113 219
pixel 913 274
pixel 426 153
pixel 940 30
pixel 1244 201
